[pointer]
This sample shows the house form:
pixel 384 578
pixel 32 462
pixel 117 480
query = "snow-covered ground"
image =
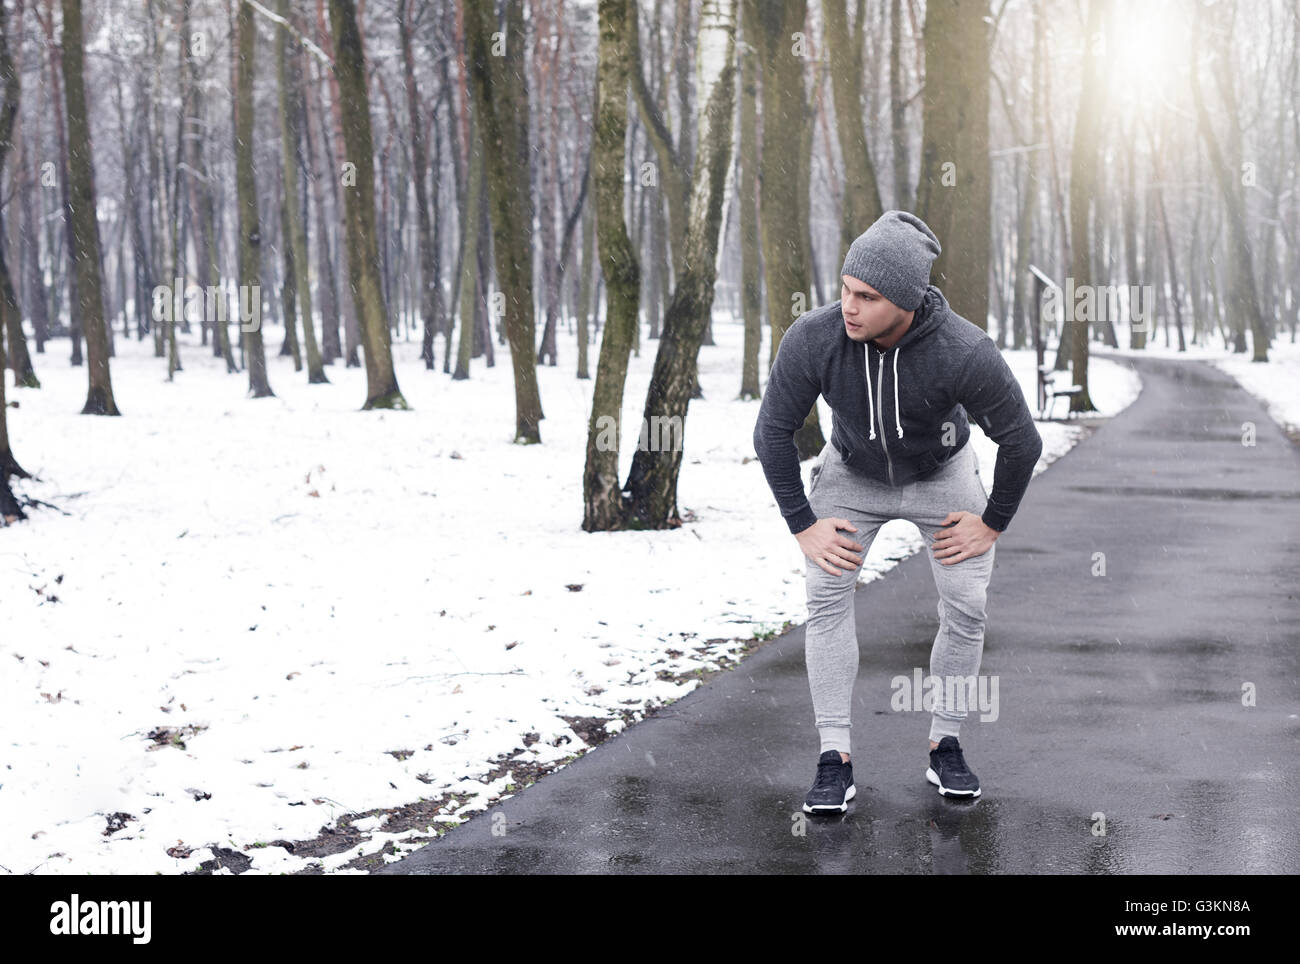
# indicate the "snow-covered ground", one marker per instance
pixel 257 616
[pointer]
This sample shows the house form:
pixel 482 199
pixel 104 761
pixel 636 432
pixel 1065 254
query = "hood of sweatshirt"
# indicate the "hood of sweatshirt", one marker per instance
pixel 929 317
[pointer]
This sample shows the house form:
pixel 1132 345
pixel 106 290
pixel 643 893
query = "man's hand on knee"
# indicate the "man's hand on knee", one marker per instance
pixel 965 535
pixel 822 543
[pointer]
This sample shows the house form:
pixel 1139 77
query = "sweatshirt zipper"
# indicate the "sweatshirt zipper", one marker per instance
pixel 880 413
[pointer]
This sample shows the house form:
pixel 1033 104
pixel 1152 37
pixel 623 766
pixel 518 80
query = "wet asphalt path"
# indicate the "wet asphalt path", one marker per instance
pixel 1119 694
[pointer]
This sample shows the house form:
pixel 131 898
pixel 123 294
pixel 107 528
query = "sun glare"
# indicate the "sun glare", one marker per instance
pixel 1146 50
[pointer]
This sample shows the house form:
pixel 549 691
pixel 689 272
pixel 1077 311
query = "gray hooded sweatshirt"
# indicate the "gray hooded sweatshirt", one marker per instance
pixel 907 418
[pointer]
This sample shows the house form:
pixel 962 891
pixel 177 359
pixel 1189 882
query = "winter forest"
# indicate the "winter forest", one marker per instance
pixel 379 354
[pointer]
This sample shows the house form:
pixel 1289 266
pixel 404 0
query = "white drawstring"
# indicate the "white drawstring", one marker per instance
pixel 870 403
pixel 897 423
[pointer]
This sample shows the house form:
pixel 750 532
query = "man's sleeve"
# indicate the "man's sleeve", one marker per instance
pixel 792 390
pixel 988 390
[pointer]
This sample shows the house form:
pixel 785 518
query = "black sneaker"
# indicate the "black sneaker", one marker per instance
pixel 948 770
pixel 833 788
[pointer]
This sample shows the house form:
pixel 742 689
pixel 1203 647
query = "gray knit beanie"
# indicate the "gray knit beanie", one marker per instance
pixel 894 257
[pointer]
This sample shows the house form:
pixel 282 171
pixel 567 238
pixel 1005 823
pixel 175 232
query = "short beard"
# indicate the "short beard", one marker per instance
pixel 893 325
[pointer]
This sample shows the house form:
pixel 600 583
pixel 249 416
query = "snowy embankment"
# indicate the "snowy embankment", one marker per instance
pixel 258 617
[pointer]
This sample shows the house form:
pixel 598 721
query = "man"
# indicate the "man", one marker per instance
pixel 898 450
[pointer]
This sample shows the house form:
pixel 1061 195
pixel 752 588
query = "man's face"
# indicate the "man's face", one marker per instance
pixel 867 313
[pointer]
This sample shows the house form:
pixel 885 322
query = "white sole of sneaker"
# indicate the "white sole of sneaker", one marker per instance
pixel 848 795
pixel 944 791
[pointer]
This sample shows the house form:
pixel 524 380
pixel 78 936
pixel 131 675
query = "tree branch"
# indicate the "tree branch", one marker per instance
pixel 306 41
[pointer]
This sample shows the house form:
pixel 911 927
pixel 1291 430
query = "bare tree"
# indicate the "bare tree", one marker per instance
pixel 501 99
pixel 861 204
pixel 469 242
pixel 954 193
pixel 603 507
pixel 250 232
pixel 363 240
pixel 289 77
pixel 85 224
pixel 430 283
pixel 656 466
pixel 1083 180
pixel 674 168
pixel 783 213
pixel 751 267
pixel 11 86
pixel 1242 298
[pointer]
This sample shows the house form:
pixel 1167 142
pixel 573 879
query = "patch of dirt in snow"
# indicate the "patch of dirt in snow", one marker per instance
pixel 231 860
pixel 589 729
pixel 423 814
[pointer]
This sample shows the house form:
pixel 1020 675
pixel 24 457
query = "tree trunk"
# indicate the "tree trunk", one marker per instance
pixel 655 467
pixel 861 205
pixel 469 242
pixel 85 225
pixel 288 286
pixel 430 282
pixel 566 247
pixel 250 235
pixel 441 324
pixel 953 195
pixel 603 505
pixel 20 359
pixel 11 86
pixel 673 170
pixel 804 193
pixel 549 189
pixel 501 99
pixel 141 265
pixel 1243 299
pixel 1137 334
pixel 11 319
pixel 177 217
pixel 1083 180
pixel 160 214
pixel 349 65
pixel 331 135
pixel 289 78
pixel 1024 304
pixel 586 283
pixel 57 72
pixel 784 232
pixel 483 342
pixel 1172 262
pixel 205 218
pixel 327 286
pixel 751 268
pixel 897 103
pixel 37 305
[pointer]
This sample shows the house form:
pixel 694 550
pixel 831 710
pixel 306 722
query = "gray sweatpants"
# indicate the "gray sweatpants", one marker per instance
pixel 831 647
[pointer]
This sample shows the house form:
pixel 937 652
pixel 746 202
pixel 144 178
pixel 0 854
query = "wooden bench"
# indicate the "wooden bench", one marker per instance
pixel 1049 392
